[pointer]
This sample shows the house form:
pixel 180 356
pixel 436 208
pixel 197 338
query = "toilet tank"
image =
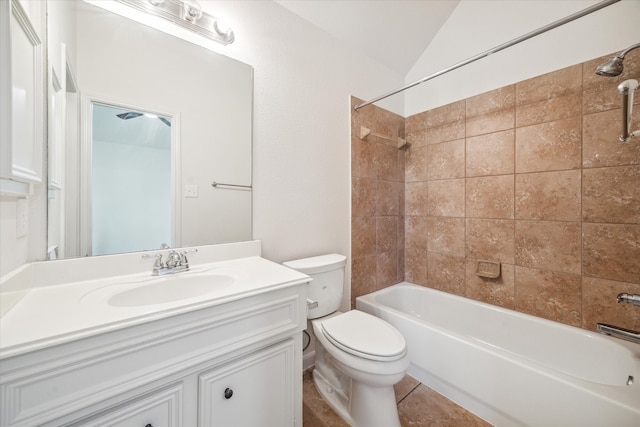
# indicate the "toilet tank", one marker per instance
pixel 327 272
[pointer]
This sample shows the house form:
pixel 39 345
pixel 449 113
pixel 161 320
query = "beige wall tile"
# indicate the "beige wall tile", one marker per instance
pixel 612 194
pixel 548 196
pixel 363 275
pixel 552 96
pixel 386 234
pixel 362 159
pixel 415 198
pixel 548 245
pixel 446 273
pixel 387 269
pixel 499 291
pixel 446 197
pixel 490 197
pixel 417 138
pixel 416 164
pixel 363 236
pixel 446 123
pixel 445 235
pixel 550 294
pixel 415 266
pixel 491 111
pixel 550 85
pixel 415 233
pixel 417 122
pixel 552 109
pixel 491 154
pixel 549 146
pixel 388 198
pixel 490 240
pixel 363 197
pixel 445 160
pixel 386 162
pixel 446 114
pixel 612 251
pixel 600 304
pixel 601 145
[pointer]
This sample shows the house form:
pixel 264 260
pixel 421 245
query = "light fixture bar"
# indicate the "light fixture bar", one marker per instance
pixel 186 15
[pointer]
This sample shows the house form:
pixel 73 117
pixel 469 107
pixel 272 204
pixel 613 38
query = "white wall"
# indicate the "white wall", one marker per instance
pixel 476 26
pixel 301 141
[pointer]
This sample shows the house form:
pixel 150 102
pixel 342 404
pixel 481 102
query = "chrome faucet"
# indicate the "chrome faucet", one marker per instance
pixel 176 262
pixel 629 298
pixel 620 332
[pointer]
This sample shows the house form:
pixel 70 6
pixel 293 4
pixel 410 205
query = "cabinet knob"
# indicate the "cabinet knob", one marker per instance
pixel 149 425
pixel 228 393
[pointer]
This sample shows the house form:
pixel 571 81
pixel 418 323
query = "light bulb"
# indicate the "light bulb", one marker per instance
pixel 192 10
pixel 223 29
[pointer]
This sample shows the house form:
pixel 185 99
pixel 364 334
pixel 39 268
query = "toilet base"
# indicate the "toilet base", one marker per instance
pixel 336 399
pixel 363 405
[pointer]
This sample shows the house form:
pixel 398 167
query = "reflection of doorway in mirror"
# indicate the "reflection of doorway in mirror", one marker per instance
pixel 131 188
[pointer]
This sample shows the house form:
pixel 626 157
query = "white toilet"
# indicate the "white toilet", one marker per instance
pixel 359 357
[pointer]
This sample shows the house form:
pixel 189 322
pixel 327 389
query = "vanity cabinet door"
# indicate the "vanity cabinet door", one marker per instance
pixel 160 408
pixel 255 390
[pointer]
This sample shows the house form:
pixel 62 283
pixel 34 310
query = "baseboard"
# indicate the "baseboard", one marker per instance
pixel 308 360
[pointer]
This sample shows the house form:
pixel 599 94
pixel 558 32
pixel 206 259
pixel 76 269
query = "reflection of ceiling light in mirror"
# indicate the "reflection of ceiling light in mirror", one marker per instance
pixel 156 2
pixel 151 116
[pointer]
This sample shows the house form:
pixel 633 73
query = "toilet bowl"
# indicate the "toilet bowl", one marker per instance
pixel 359 357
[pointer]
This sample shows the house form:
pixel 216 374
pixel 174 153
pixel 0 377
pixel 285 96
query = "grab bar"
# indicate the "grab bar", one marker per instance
pixel 216 184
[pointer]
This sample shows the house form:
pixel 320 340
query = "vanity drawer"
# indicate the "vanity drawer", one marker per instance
pixel 161 408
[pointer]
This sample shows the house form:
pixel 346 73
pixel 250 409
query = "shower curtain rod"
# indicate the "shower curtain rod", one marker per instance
pixel 498 48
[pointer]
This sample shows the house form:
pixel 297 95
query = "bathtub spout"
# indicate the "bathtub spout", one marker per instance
pixel 619 332
pixel 629 298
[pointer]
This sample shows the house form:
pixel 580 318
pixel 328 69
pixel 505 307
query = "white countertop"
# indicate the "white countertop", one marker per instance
pixel 55 314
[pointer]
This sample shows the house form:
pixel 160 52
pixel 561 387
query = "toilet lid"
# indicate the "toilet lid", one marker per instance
pixel 364 335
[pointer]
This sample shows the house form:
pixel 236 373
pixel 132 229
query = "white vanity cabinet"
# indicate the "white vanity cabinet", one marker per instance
pixel 234 364
pixel 253 391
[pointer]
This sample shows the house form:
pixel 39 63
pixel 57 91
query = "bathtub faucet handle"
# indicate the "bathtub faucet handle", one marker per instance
pixel 629 298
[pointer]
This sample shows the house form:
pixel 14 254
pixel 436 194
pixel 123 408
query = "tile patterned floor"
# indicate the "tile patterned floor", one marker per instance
pixel 418 406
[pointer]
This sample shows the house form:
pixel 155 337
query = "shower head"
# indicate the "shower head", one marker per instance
pixel 613 67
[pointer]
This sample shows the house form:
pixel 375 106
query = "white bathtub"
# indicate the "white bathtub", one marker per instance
pixel 509 368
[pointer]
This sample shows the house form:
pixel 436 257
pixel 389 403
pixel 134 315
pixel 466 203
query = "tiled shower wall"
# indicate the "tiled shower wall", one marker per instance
pixel 377 201
pixel 531 175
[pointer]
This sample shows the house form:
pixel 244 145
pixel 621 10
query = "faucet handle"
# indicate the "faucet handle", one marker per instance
pixel 158 263
pixel 183 257
pixel 173 259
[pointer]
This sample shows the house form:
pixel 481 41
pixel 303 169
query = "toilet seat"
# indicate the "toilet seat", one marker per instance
pixel 365 336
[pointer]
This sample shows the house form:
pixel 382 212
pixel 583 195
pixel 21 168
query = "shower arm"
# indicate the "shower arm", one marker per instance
pixel 622 54
pixel 484 54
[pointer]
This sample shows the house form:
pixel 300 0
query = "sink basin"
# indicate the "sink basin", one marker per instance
pixel 162 290
pixel 168 289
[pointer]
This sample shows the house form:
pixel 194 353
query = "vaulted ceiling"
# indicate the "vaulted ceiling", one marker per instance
pixel 393 32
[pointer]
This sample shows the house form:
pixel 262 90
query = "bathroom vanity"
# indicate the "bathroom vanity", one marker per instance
pixel 131 349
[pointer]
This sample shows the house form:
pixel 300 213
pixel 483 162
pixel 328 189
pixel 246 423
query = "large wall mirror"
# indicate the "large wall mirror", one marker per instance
pixel 141 123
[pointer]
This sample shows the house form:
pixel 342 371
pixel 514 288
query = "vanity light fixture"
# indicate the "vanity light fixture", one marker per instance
pixel 187 14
